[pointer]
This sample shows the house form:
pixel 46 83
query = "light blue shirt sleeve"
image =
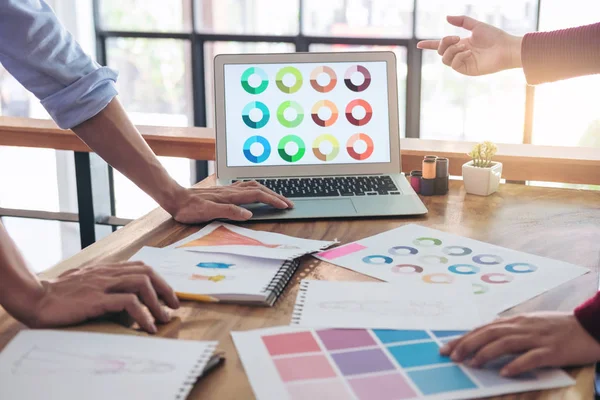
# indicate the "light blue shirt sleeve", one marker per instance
pixel 41 54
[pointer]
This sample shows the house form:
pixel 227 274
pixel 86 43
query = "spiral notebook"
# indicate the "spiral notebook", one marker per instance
pixel 47 364
pixel 224 277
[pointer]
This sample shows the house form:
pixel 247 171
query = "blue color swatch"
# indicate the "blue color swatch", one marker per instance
pixel 392 336
pixel 442 379
pixel 418 354
pixel 442 334
pixel 216 265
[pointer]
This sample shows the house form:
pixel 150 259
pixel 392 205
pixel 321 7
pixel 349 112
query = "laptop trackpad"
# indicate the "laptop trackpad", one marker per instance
pixel 305 208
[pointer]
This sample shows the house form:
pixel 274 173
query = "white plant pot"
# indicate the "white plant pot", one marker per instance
pixel 481 181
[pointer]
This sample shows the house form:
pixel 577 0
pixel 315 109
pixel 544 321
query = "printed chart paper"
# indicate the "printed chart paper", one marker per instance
pixel 224 238
pixel 210 273
pixel 406 305
pixel 289 363
pixel 45 364
pixel 500 278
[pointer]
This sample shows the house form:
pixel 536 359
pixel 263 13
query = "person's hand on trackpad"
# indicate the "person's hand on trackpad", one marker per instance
pixel 223 202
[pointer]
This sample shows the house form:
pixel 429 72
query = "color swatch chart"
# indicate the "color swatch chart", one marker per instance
pixel 501 278
pixel 307 364
pixel 306 113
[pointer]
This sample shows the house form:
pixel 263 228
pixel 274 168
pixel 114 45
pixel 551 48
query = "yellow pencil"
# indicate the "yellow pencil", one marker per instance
pixel 197 297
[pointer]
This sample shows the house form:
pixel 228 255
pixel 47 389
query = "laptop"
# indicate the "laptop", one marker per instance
pixel 318 128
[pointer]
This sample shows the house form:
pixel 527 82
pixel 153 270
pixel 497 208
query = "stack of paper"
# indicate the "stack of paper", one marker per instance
pixel 222 262
pixel 377 340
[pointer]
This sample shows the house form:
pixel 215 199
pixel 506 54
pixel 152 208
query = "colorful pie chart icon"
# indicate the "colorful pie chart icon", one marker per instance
pixel 360 70
pixel 260 142
pixel 326 138
pixel 314 113
pixel 359 103
pixel 319 71
pixel 263 119
pixel 353 141
pixel 281 114
pixel 281 75
pixel 246 76
pixel 291 157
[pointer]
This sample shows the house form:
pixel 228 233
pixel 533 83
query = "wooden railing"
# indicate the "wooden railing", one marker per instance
pixel 522 162
pixel 193 143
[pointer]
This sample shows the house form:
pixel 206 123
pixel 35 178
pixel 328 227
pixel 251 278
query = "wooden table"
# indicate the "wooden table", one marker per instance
pixel 557 223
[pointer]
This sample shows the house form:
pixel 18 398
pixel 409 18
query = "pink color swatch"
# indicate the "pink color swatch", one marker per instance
pixel 291 343
pixel 382 387
pixel 341 251
pixel 304 367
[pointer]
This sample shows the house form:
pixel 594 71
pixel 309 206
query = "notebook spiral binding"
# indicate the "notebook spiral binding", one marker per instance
pixel 281 279
pixel 195 373
pixel 299 307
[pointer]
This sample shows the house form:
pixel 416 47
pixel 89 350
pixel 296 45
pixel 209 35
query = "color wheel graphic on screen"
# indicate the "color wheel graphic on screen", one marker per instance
pixel 358 141
pixel 326 147
pixel 352 73
pixel 364 107
pixel 294 152
pixel 317 75
pixel 254 74
pixel 290 114
pixel 252 154
pixel 324 107
pixel 288 80
pixel 255 115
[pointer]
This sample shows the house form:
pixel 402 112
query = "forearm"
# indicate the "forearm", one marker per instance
pixel 19 287
pixel 567 53
pixel 112 135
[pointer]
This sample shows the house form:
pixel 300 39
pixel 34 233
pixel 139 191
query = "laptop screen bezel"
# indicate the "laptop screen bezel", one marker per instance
pixel 226 172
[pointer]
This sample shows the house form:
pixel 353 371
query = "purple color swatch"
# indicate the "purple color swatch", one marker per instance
pixel 337 339
pixel 362 362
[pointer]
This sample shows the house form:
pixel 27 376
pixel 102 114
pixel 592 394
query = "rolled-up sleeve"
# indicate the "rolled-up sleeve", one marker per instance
pixel 41 54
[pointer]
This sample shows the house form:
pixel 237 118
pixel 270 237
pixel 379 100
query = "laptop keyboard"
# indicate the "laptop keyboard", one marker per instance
pixel 377 185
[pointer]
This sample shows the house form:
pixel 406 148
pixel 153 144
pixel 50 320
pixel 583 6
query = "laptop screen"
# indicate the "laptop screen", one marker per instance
pixel 306 113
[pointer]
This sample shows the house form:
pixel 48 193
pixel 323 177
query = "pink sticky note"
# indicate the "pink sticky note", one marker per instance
pixel 341 251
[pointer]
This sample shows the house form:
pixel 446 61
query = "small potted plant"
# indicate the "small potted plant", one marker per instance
pixel 482 175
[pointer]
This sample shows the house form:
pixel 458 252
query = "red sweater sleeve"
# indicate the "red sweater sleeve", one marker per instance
pixel 567 53
pixel 588 315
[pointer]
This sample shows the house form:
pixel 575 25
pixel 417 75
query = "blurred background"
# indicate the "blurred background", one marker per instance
pixel 163 50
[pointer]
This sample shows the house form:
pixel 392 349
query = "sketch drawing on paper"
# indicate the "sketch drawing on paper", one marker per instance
pixel 412 309
pixel 39 360
pixel 222 236
pixel 215 265
pixel 215 278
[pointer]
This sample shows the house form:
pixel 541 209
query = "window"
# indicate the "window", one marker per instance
pixel 149 15
pixel 458 107
pixel 164 53
pixel 357 18
pixel 566 113
pixel 258 17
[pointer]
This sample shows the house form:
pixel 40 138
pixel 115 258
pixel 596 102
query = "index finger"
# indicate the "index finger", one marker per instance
pixel 428 44
pixel 163 289
pixel 254 195
pixel 267 190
